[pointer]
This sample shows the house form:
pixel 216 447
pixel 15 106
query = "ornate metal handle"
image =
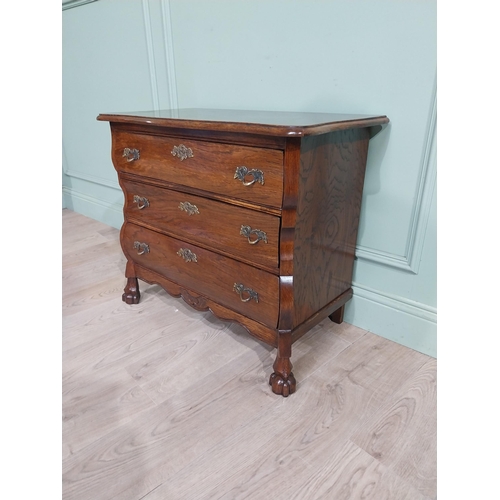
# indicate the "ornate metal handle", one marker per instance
pixel 187 255
pixel 188 207
pixel 241 289
pixel 247 231
pixel 131 154
pixel 141 201
pixel 141 248
pixel 243 172
pixel 182 152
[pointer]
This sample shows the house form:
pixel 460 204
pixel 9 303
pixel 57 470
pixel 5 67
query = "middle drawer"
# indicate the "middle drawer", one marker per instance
pixel 244 233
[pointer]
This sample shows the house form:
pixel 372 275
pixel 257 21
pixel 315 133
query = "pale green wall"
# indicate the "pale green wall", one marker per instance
pixel 348 56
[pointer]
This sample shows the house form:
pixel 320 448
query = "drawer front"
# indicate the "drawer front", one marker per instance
pixel 241 172
pixel 242 288
pixel 241 232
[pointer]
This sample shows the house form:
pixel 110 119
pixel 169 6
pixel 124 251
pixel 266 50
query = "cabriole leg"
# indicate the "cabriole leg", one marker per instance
pixel 282 380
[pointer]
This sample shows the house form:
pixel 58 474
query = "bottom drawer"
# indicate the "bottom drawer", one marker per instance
pixel 242 288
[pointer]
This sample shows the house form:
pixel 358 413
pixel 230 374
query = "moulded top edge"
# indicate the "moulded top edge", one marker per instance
pixel 278 123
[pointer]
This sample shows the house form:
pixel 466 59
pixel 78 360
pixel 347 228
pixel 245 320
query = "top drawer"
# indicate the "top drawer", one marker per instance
pixel 242 172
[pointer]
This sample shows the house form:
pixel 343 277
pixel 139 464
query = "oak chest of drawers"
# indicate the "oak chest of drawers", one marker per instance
pixel 253 215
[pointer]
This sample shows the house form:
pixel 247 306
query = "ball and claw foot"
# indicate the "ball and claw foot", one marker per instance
pixel 282 385
pixel 131 294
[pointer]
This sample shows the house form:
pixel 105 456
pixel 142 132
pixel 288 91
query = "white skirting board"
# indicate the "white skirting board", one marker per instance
pixel 401 320
pixel 108 213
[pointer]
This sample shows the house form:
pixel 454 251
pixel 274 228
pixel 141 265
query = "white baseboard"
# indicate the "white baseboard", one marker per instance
pixel 399 319
pixel 108 213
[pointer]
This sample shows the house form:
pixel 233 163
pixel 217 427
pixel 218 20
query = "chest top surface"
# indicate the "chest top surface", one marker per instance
pixel 276 123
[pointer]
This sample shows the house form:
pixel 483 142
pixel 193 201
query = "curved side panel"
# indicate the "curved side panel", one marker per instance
pixel 287 233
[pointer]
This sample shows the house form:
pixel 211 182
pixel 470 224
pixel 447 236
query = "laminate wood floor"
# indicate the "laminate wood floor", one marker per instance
pixel 163 402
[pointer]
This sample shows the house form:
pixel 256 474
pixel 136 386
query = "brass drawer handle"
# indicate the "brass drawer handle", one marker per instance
pixel 188 207
pixel 187 255
pixel 242 173
pixel 182 152
pixel 241 289
pixel 247 231
pixel 141 201
pixel 131 154
pixel 141 248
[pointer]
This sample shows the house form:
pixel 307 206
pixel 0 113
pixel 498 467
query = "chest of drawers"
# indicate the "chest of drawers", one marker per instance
pixel 253 215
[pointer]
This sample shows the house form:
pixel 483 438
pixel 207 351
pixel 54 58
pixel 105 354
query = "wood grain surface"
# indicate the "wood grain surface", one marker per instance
pixel 162 402
pixel 214 224
pixel 211 274
pixel 332 168
pixel 212 167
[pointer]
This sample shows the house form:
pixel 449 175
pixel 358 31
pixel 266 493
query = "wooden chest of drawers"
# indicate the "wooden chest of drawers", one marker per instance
pixel 253 215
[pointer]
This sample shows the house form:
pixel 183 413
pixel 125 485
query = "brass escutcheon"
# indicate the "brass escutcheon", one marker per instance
pixel 187 255
pixel 188 207
pixel 182 152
